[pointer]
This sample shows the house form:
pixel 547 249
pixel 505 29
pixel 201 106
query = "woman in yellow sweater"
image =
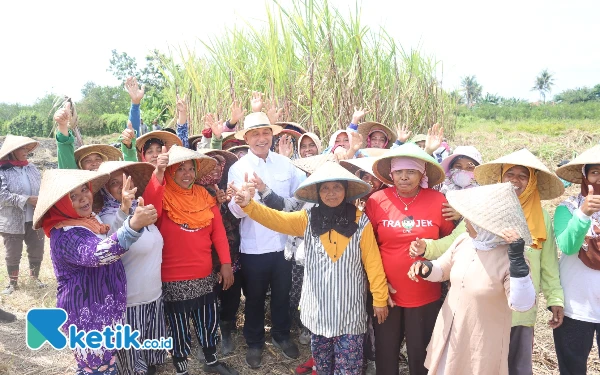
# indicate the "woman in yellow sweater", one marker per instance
pixel 341 253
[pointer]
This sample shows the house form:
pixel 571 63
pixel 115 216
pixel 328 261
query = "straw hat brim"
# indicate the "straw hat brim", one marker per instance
pixel 372 152
pixel 229 156
pixel 294 134
pixel 311 163
pixel 365 128
pixel 140 172
pixel 193 139
pixel 236 148
pixel 433 169
pixel 360 164
pixel 56 183
pixel 111 153
pixel 168 138
pixel 330 171
pixel 492 207
pixel 275 128
pixel 549 185
pixel 573 170
pixel 418 138
pixel 15 142
pixel 294 124
pixel 179 154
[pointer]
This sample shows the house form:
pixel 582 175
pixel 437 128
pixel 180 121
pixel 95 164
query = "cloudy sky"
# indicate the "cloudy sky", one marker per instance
pixel 55 47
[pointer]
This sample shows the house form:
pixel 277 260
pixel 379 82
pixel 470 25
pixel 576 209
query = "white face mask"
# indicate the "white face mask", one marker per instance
pixel 462 178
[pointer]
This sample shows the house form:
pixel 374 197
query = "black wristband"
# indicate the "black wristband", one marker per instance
pixel 230 125
pixel 429 265
pixel 516 255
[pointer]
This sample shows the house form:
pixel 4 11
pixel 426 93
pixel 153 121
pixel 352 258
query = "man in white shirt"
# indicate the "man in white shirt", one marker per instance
pixel 261 250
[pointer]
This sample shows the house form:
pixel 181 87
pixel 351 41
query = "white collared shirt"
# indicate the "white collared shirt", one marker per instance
pixel 279 174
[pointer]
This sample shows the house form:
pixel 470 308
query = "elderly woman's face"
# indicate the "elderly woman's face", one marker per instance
pixel 91 162
pixel 378 140
pixel 82 198
pixel 21 153
pixel 518 176
pixel 185 174
pixel 406 181
pixel 332 193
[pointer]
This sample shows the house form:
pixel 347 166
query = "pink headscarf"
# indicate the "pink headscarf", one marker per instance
pixel 374 131
pixel 401 163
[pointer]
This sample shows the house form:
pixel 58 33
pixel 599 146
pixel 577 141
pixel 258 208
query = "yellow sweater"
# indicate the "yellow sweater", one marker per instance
pixel 295 223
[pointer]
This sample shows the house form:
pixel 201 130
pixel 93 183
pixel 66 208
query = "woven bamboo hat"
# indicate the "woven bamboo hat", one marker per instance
pixel 193 139
pixel 360 164
pixel 289 125
pixel 549 185
pixel 15 142
pixel 372 152
pixel 493 207
pixel 229 157
pixel 56 183
pixel 468 151
pixel 418 138
pixel 140 172
pixel 257 120
pixel 315 139
pixel 107 152
pixel 168 138
pixel 330 171
pixel 311 163
pixel 205 164
pixel 573 170
pixel 433 170
pixel 365 128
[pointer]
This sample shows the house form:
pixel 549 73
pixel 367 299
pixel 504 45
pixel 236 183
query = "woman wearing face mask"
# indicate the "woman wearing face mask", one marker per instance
pixel 577 226
pixel 340 247
pixel 191 224
pixel 87 263
pixel 533 182
pixel 145 311
pixel 489 277
pixel 19 188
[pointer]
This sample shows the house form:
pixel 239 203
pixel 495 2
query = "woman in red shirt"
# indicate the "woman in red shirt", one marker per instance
pixel 191 224
pixel 400 214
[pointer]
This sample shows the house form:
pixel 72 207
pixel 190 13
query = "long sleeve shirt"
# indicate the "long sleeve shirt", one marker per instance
pixel 134 117
pixel 182 133
pixel 65 150
pixel 281 176
pixel 295 223
pixel 17 184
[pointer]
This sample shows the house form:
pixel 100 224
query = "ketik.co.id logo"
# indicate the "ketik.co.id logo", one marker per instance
pixel 44 325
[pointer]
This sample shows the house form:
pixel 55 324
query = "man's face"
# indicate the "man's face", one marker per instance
pixel 259 140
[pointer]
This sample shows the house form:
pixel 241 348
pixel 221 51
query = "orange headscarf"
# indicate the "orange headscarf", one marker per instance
pixel 190 207
pixel 532 206
pixel 62 214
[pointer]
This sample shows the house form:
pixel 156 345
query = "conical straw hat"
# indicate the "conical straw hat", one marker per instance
pixel 311 163
pixel 573 170
pixel 433 170
pixel 493 207
pixel 237 148
pixel 372 152
pixel 56 183
pixel 330 171
pixel 230 157
pixel 140 172
pixel 205 164
pixel 355 165
pixel 289 125
pixel 365 128
pixel 193 139
pixel 108 152
pixel 168 138
pixel 14 142
pixel 549 185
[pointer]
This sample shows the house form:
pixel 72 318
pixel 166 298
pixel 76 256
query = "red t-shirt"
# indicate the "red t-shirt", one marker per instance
pixel 395 228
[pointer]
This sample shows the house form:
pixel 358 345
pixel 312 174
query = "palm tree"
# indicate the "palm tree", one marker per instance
pixel 472 90
pixel 543 84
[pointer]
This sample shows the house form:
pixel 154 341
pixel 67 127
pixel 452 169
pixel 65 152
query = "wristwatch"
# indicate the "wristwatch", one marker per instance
pixel 265 194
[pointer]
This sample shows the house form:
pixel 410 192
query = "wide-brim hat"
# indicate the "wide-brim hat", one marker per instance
pixel 372 152
pixel 230 157
pixel 294 134
pixel 257 120
pixel 330 171
pixel 468 151
pixel 311 163
pixel 205 164
pixel 193 139
pixel 418 138
pixel 168 138
pixel 549 185
pixel 289 125
pixel 360 164
pixel 107 152
pixel 433 169
pixel 315 138
pixel 15 142
pixel 573 170
pixel 237 148
pixel 365 128
pixel 56 183
pixel 140 172
pixel 493 207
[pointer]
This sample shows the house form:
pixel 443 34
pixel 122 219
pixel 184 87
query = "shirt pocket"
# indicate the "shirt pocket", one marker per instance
pixel 281 184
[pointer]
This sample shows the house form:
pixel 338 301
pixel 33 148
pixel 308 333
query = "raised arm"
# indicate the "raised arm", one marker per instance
pixel 182 117
pixel 65 140
pixel 570 229
pixel 136 93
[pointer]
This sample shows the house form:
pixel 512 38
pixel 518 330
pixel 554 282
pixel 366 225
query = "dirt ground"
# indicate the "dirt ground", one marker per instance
pixel 16 358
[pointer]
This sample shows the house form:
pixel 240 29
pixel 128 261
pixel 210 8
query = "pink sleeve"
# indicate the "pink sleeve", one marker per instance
pixel 153 194
pixel 218 237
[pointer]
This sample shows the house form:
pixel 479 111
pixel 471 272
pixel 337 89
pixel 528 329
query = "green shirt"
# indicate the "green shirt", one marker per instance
pixel 65 151
pixel 570 230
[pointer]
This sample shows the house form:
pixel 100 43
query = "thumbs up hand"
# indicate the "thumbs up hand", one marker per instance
pixel 128 135
pixel 591 204
pixel 143 216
